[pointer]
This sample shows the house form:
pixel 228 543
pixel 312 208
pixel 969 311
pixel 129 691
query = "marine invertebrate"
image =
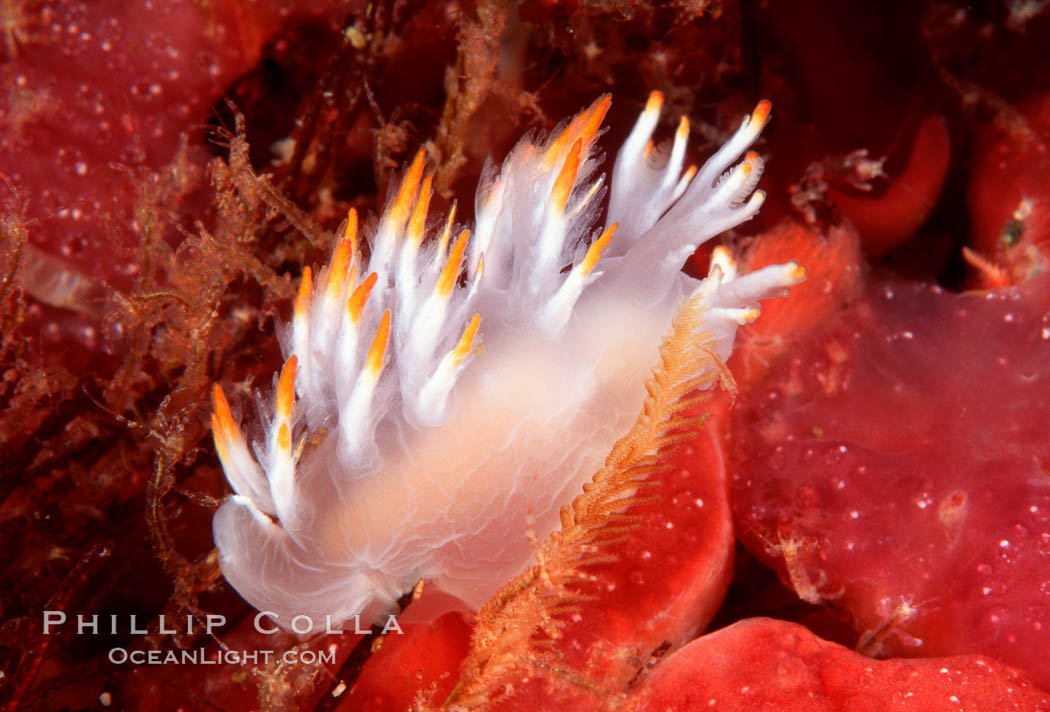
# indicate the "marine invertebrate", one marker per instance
pixel 761 663
pixel 396 449
pixel 971 518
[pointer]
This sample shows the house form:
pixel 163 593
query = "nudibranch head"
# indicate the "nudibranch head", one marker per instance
pixel 457 386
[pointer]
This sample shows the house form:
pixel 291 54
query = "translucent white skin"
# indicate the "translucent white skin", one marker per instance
pixel 438 461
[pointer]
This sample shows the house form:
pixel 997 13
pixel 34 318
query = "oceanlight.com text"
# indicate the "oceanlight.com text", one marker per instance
pixel 121 656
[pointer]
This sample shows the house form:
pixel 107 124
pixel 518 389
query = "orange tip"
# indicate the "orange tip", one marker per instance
pixel 286 389
pixel 655 102
pixel 557 145
pixel 447 280
pixel 306 285
pixel 222 419
pixel 594 252
pixel 761 112
pixel 594 117
pixel 374 361
pixel 722 256
pixel 407 192
pixel 446 231
pixel 466 341
pixel 567 177
pixel 356 303
pixel 350 233
pixel 419 214
pixel 338 268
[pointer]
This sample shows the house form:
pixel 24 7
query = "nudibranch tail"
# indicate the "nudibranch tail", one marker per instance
pixel 452 379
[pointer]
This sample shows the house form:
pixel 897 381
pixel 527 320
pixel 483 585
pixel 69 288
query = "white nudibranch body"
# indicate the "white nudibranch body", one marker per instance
pixel 398 448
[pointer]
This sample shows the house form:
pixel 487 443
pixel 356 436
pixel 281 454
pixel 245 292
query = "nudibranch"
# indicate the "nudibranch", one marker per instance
pixel 397 447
